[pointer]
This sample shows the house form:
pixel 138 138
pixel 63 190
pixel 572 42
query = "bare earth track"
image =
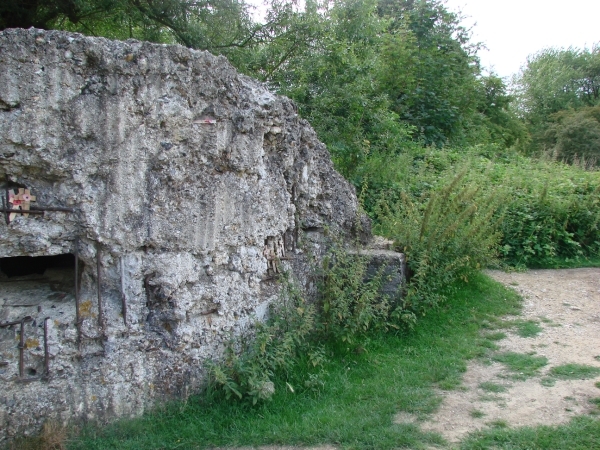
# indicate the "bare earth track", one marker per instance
pixel 566 305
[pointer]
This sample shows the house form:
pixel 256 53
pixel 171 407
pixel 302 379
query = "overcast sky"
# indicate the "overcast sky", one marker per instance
pixel 514 29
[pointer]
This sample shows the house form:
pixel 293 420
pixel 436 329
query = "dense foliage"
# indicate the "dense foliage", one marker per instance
pixel 544 209
pixel 296 333
pixel 447 233
pixel 395 90
pixel 558 98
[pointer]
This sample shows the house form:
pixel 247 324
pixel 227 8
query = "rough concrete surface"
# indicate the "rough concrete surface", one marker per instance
pixel 185 180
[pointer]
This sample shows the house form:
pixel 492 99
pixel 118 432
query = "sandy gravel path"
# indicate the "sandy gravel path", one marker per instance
pixel 566 305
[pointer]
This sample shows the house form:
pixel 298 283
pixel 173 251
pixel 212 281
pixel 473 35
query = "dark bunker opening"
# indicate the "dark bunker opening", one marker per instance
pixel 20 266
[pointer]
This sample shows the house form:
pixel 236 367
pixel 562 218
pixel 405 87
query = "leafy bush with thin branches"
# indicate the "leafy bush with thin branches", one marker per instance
pixel 350 300
pixel 448 233
pixel 294 336
pixel 276 346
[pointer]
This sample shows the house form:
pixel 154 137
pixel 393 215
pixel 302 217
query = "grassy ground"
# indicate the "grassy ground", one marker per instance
pixel 354 404
pixel 582 433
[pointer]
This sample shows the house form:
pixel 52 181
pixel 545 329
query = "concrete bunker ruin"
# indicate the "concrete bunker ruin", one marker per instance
pixel 147 191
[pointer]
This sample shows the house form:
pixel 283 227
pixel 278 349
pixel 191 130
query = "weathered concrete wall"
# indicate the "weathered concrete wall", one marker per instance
pixel 179 172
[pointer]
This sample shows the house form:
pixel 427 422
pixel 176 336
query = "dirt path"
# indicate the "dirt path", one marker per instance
pixel 566 305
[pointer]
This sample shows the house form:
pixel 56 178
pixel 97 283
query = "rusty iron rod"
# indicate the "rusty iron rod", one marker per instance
pixel 16 322
pixel 51 208
pixel 21 211
pixel 77 312
pixel 99 283
pixel 6 206
pixel 123 297
pixel 38 209
pixel 22 346
pixel 296 221
pixel 46 351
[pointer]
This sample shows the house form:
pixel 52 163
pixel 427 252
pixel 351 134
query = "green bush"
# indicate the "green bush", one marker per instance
pixel 350 302
pixel 293 338
pixel 448 233
pixel 277 346
pixel 553 212
pixel 574 135
pixel 550 210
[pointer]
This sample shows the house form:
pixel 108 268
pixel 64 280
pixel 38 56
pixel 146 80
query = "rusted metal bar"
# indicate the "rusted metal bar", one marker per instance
pixel 20 306
pixel 36 210
pixel 22 350
pixel 22 346
pixel 77 312
pixel 99 284
pixel 6 206
pixel 21 211
pixel 46 373
pixel 123 297
pixel 16 322
pixel 296 221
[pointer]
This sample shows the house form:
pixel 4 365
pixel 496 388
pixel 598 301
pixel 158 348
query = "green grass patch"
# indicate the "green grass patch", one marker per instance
pixel 497 336
pixel 528 328
pixel 548 381
pixel 522 365
pixel 595 401
pixel 575 372
pixel 498 424
pixel 477 414
pixel 356 401
pixel 582 433
pixel 489 398
pixel 489 386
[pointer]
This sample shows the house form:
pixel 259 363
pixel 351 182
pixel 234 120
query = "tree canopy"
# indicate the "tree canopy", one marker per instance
pixel 372 76
pixel 558 93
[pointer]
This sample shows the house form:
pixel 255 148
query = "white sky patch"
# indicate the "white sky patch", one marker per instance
pixel 515 29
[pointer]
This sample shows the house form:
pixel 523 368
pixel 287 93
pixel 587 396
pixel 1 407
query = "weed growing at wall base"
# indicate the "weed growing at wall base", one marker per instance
pixel 297 333
pixel 350 301
pixel 275 346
